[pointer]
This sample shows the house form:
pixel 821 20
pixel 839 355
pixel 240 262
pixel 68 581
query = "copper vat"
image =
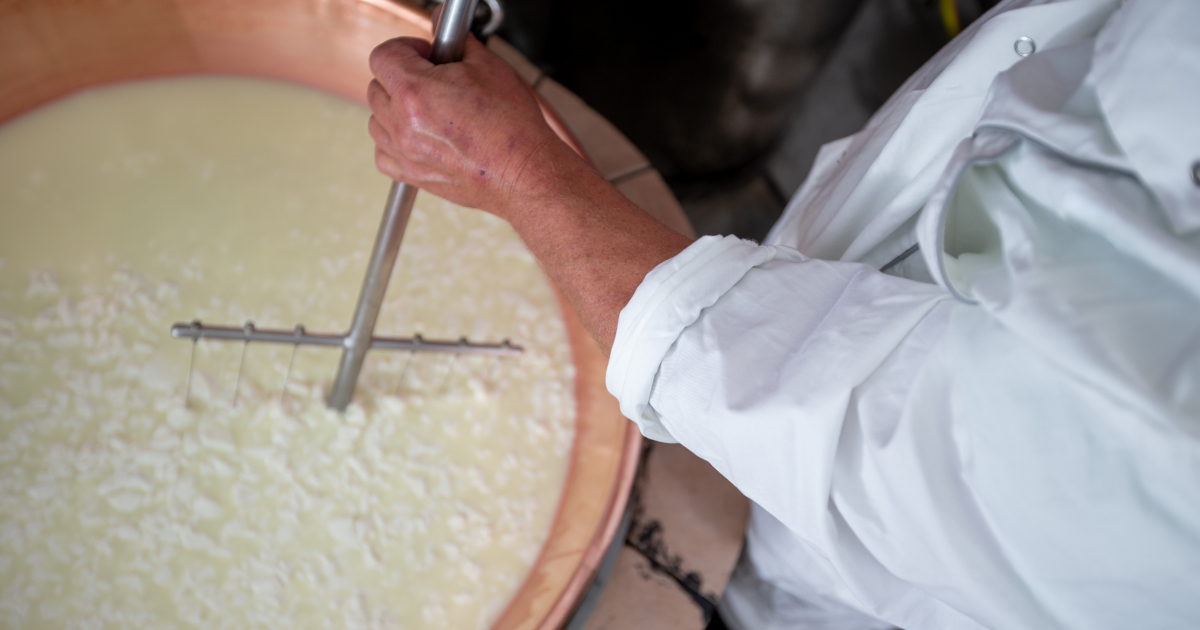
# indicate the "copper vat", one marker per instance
pixel 51 48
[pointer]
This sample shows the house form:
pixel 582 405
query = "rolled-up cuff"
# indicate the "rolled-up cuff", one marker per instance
pixel 671 298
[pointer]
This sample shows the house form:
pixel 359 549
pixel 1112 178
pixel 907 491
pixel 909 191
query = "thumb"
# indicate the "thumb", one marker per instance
pixel 474 49
pixel 399 55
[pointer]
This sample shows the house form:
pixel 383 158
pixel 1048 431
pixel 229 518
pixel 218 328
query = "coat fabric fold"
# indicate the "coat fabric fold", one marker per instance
pixel 1003 431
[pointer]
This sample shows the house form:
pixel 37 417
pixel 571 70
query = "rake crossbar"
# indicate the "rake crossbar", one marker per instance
pixel 448 43
pixel 299 336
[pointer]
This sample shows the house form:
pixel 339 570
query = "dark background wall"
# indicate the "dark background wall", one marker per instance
pixel 730 99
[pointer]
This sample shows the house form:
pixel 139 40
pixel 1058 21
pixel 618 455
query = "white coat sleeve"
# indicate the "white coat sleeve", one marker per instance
pixel 1027 460
pixel 795 379
pixel 751 355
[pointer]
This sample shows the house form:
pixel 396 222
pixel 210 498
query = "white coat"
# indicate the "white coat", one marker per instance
pixel 1003 429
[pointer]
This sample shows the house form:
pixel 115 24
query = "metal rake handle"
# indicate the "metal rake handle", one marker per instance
pixel 449 41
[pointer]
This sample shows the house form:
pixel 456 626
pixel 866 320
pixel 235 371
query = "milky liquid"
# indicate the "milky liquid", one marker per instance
pixel 128 208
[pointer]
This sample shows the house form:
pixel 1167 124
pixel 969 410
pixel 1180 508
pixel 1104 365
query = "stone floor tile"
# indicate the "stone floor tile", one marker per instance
pixel 689 520
pixel 639 597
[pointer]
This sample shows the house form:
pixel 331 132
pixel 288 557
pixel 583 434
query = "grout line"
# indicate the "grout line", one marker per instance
pixel 706 605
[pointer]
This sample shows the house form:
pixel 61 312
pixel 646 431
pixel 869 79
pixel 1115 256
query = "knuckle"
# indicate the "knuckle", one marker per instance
pixel 377 58
pixel 385 49
pixel 407 145
pixel 375 128
pixel 375 95
pixel 385 60
pixel 385 164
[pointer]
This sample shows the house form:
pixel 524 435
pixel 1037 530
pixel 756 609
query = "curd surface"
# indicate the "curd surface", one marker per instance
pixel 128 208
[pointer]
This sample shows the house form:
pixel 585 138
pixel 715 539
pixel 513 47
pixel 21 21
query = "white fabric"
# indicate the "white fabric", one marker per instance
pixel 770 599
pixel 688 283
pixel 856 210
pixel 1016 446
pixel 1138 103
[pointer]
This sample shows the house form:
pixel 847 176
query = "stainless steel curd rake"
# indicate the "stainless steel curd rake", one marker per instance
pixel 448 44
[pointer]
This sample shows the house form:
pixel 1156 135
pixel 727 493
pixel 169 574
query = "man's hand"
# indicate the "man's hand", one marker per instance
pixel 473 133
pixel 469 132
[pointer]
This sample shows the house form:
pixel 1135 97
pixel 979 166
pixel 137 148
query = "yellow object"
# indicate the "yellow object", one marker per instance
pixel 950 18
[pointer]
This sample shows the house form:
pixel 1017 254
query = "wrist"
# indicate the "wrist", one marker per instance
pixel 549 173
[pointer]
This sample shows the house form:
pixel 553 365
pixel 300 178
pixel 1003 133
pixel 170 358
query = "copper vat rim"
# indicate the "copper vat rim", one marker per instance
pixel 28 28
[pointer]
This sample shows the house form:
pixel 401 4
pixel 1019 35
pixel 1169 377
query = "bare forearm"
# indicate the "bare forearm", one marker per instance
pixel 473 133
pixel 594 243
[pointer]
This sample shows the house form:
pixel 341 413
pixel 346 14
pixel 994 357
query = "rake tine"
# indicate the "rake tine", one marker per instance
pixel 291 361
pixel 404 372
pixel 249 328
pixel 450 367
pixel 187 396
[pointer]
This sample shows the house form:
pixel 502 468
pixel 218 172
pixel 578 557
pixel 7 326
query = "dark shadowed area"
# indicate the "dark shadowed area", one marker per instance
pixel 730 99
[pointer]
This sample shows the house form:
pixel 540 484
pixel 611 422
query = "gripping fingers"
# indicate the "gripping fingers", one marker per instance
pixel 384 150
pixel 382 137
pixel 387 165
pixel 377 96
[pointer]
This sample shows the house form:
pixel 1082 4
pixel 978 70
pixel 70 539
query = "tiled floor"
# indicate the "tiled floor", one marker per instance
pixel 684 537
